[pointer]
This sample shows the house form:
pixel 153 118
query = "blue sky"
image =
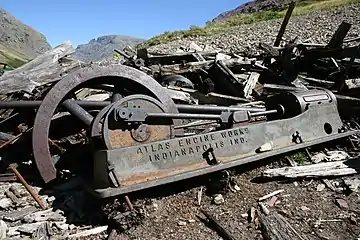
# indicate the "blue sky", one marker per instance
pixel 82 20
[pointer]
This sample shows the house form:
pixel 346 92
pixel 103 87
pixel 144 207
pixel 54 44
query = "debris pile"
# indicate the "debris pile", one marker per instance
pixel 107 130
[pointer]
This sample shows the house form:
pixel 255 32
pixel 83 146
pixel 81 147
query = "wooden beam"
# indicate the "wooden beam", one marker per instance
pixel 284 24
pixel 327 169
pixel 274 226
pixel 48 67
pixel 339 36
pixel 250 84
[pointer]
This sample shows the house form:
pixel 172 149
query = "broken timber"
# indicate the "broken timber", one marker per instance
pixel 48 67
pixel 337 168
pixel 276 227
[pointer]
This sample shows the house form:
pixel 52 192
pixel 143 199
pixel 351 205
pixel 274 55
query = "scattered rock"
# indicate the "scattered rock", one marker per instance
pixel 3 229
pixel 336 156
pixel 89 232
pixel 342 203
pixel 29 228
pixel 236 187
pixel 221 56
pixel 15 190
pixel 154 206
pixel 304 208
pixel 19 214
pixel 5 203
pixel 272 201
pixel 191 221
pixel 266 147
pixel 353 220
pixel 61 226
pixel 320 187
pixel 218 199
pixel 318 158
pixel 182 223
pixel 12 196
pixel 194 47
pixel 43 232
pixel 12 231
pixel 199 195
pixel 352 184
pixel 46 215
pixel 251 214
pixel 51 199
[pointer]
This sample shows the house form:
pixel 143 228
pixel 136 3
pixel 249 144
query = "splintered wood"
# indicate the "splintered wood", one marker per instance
pixel 338 168
pixel 276 227
pixel 48 67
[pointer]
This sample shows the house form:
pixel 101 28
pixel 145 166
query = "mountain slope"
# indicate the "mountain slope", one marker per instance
pixel 257 6
pixel 229 20
pixel 103 47
pixel 19 43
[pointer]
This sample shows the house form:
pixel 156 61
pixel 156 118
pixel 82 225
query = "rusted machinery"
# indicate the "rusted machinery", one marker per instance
pixel 138 138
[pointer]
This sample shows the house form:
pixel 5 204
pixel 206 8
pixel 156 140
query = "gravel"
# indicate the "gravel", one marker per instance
pixel 314 28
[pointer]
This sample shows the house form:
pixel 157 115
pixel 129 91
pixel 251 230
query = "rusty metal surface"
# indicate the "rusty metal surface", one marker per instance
pixel 96 124
pixel 123 75
pixel 118 134
pixel 166 161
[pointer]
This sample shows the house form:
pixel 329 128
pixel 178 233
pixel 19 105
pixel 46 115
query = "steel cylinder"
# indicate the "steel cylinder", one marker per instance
pixel 297 102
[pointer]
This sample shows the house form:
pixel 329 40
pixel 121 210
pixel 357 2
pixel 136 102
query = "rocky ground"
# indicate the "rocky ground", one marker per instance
pixel 314 28
pixel 325 208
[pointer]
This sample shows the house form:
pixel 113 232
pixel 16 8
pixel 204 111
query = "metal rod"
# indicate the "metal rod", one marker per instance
pixel 78 111
pixel 195 124
pixel 202 116
pixel 102 104
pixel 128 202
pixel 214 109
pixel 184 116
pixel 28 188
pixel 263 113
pixel 36 104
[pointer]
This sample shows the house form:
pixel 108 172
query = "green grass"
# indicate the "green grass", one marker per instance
pixel 11 60
pixel 212 28
pixel 299 158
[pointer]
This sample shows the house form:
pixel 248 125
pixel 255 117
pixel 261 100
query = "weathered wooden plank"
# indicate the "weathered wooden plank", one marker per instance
pixel 339 36
pixel 279 88
pixel 197 66
pixel 250 84
pixel 284 24
pixel 337 168
pixel 48 67
pixel 276 227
